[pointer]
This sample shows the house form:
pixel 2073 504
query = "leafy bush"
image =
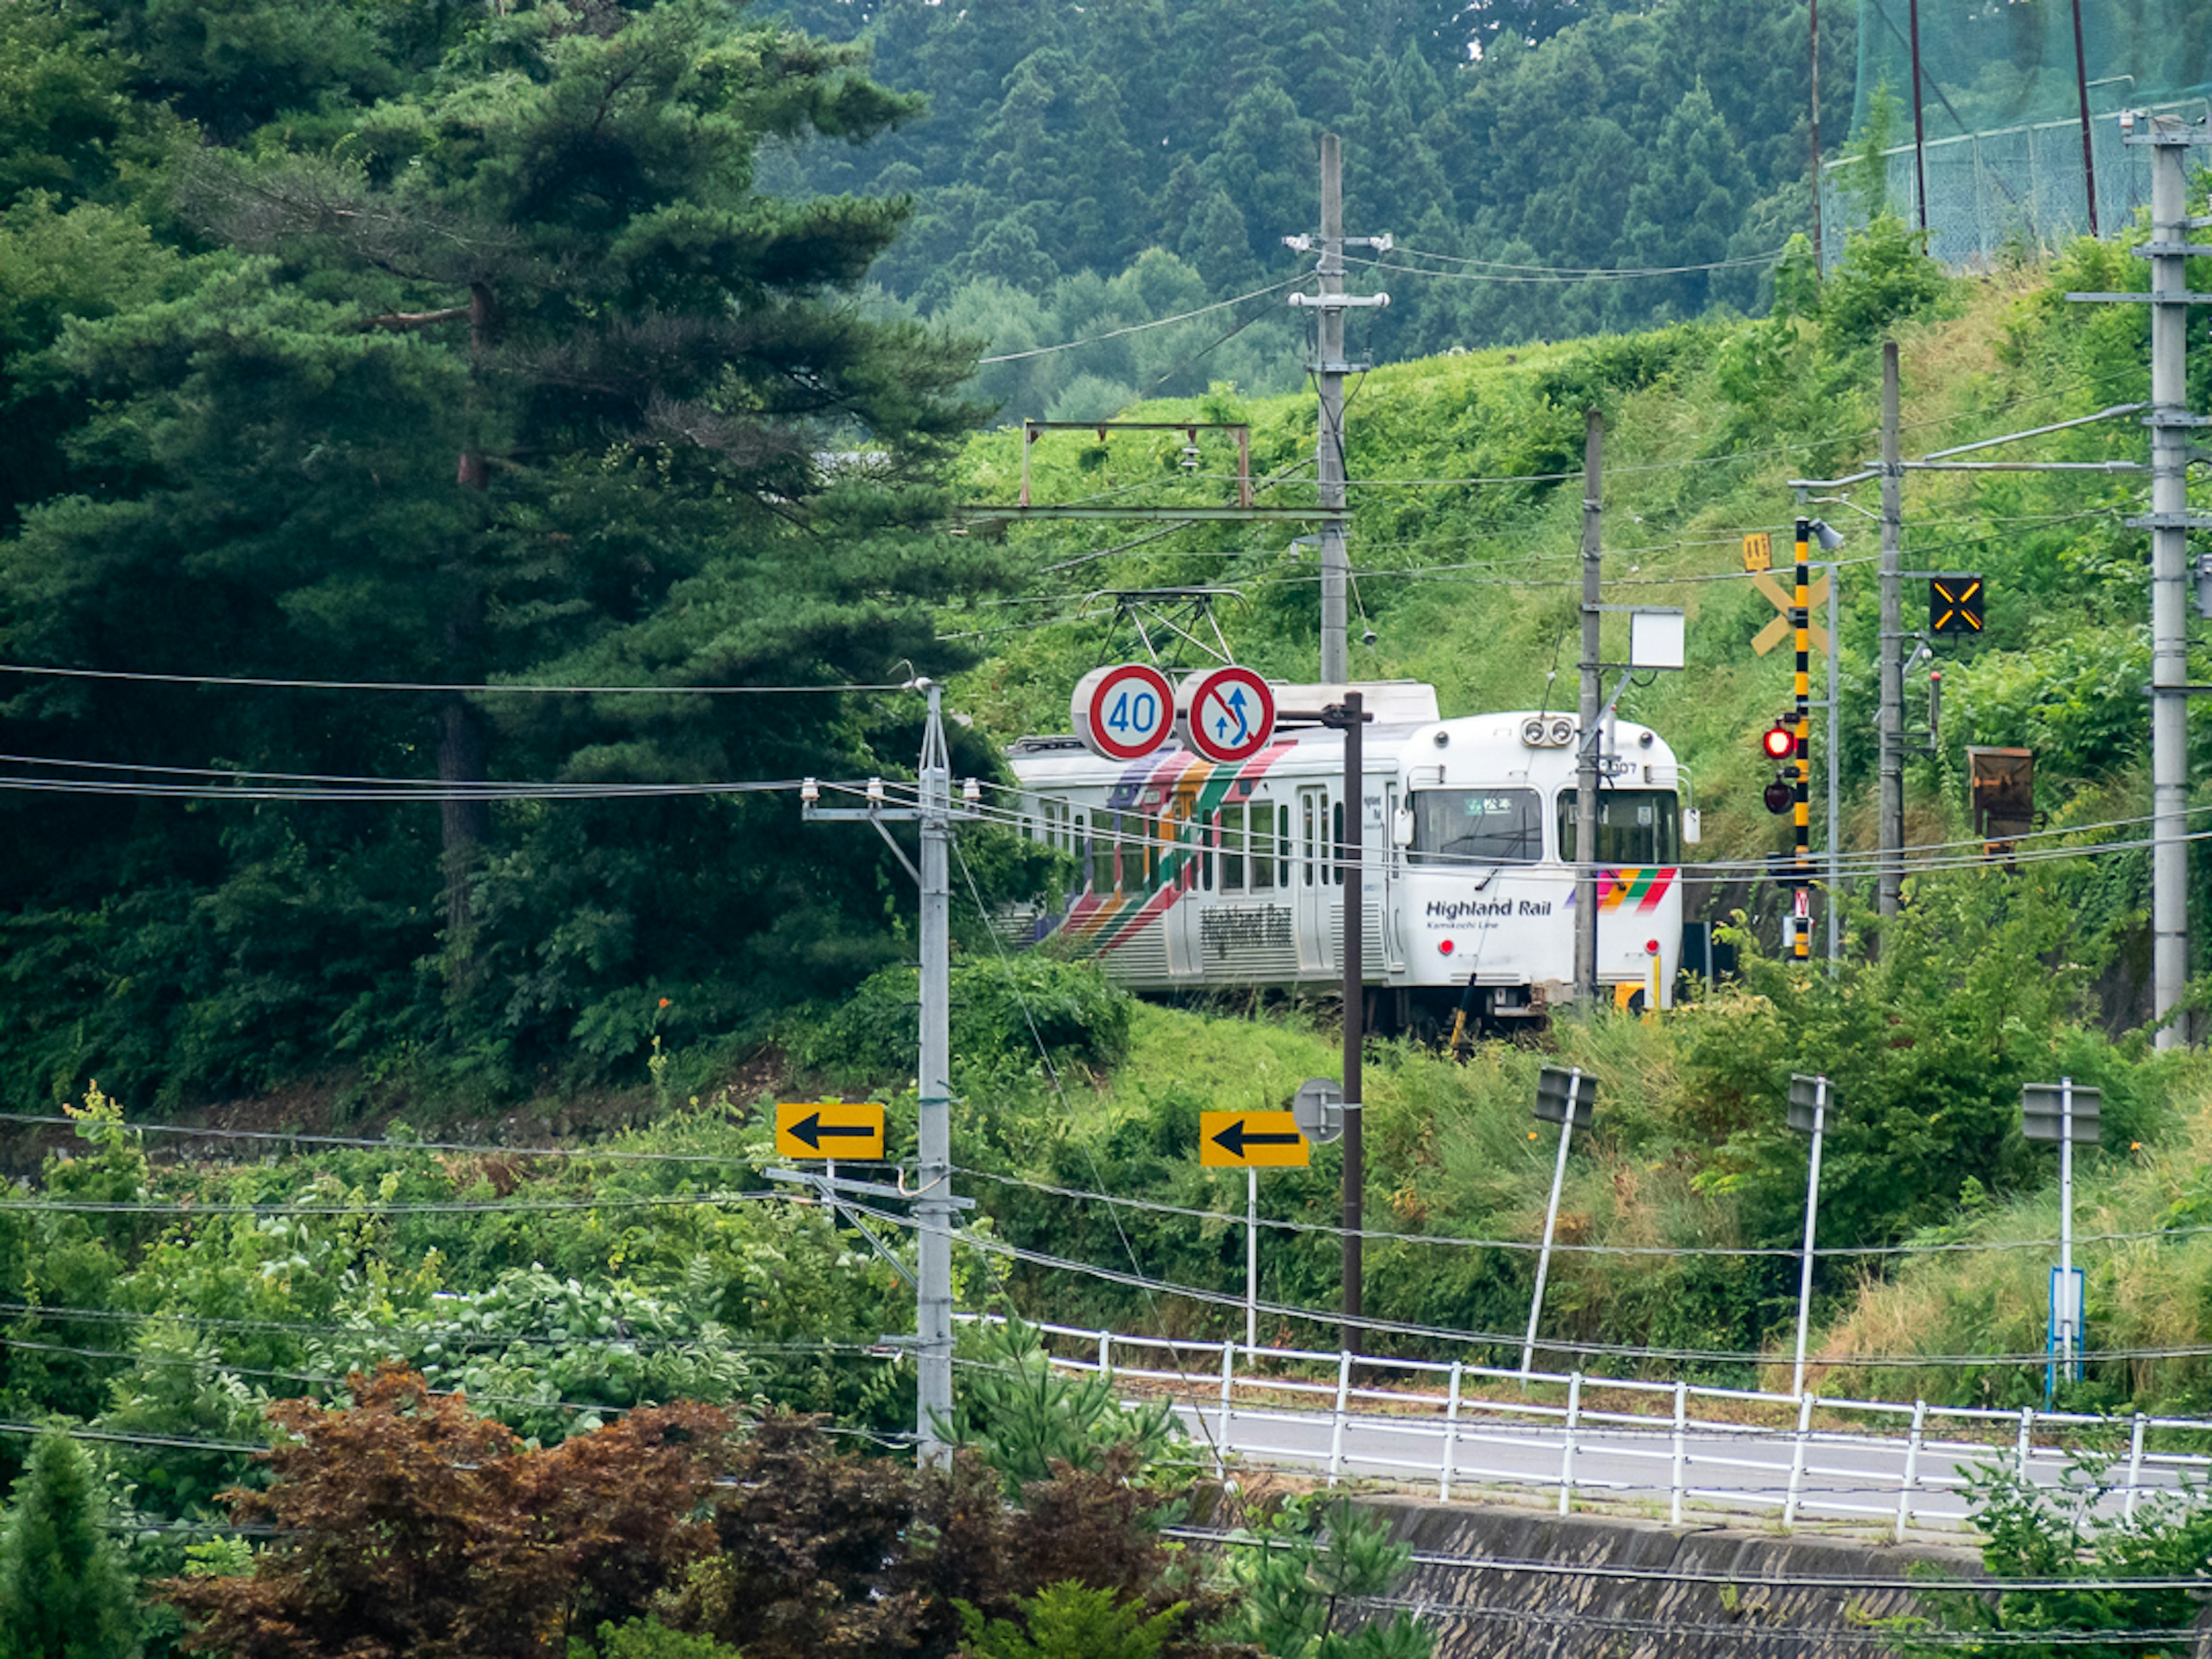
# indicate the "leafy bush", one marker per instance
pixel 1005 1011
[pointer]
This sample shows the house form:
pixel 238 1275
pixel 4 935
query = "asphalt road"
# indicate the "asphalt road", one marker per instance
pixel 1839 1477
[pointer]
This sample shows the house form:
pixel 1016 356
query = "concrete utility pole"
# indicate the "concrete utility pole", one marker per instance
pixel 1820 248
pixel 1329 369
pixel 934 1207
pixel 1593 694
pixel 1328 442
pixel 2171 430
pixel 2169 521
pixel 1889 723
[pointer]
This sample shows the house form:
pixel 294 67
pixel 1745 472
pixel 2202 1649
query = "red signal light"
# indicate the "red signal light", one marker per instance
pixel 1779 742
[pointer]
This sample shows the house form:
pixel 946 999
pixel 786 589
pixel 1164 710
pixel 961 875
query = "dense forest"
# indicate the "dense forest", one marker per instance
pixel 1505 146
pixel 424 348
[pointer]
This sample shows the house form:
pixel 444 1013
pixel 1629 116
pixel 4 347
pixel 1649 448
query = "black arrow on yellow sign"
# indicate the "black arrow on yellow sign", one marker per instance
pixel 1244 1140
pixel 829 1130
pixel 813 1131
pixel 1235 1138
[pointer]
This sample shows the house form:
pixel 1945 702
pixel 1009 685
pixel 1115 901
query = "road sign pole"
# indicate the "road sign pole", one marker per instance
pixel 1812 1222
pixel 1251 1258
pixel 933 1208
pixel 1551 1221
pixel 2067 1311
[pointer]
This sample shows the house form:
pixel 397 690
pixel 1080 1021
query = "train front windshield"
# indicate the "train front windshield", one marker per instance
pixel 1635 827
pixel 1477 826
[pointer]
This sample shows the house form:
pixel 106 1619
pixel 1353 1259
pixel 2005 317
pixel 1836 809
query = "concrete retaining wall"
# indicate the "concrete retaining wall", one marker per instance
pixel 1480 1614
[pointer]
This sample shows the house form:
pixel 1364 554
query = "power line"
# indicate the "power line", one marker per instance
pixel 427 1329
pixel 187 1209
pixel 448 687
pixel 1662 1252
pixel 1571 273
pixel 367 1143
pixel 1138 328
pixel 412 794
pixel 1493 1338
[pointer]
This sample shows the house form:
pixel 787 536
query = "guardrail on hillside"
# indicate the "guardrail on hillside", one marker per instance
pixel 1468 1425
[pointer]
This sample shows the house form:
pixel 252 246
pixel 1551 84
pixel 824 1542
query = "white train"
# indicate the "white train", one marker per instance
pixel 1202 877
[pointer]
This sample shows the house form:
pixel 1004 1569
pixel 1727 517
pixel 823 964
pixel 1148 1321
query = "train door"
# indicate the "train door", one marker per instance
pixel 1185 921
pixel 1393 865
pixel 1315 900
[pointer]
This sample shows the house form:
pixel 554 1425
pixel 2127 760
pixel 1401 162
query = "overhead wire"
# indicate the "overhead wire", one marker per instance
pixel 1140 328
pixel 500 688
pixel 1564 273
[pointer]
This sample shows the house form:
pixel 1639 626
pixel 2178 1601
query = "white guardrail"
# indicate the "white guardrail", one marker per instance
pixel 1467 1425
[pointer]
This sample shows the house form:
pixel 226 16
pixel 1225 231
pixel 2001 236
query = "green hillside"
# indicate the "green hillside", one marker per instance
pixel 1472 586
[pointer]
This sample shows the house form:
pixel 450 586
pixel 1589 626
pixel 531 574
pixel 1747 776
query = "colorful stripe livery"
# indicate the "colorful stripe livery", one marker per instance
pixel 1632 889
pixel 1182 793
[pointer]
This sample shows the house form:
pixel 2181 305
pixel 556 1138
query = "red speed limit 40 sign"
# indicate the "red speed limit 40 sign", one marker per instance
pixel 1230 714
pixel 1124 711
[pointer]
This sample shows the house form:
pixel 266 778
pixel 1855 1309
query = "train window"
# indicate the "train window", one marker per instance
pixel 1232 849
pixel 1477 826
pixel 1310 805
pixel 1105 853
pixel 1634 827
pixel 1282 846
pixel 1260 828
pixel 1339 853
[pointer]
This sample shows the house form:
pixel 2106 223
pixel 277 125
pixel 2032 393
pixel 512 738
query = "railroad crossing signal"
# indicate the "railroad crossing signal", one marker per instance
pixel 1955 604
pixel 1779 596
pixel 1252 1140
pixel 829 1129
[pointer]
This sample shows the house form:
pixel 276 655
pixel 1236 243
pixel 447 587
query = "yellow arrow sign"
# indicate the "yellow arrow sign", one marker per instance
pixel 1251 1140
pixel 1780 629
pixel 829 1129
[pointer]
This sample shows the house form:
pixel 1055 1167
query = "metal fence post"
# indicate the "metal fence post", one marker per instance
pixel 2027 1426
pixel 1451 1438
pixel 1228 1382
pixel 1681 1449
pixel 1106 1355
pixel 1797 1460
pixel 1336 1427
pixel 2135 1468
pixel 1567 1441
pixel 1912 1468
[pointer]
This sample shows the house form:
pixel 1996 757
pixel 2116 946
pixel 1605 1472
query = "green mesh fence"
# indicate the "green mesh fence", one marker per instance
pixel 2000 107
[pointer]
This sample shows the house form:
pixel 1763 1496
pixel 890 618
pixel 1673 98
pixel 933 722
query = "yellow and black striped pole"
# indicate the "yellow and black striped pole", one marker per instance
pixel 1800 619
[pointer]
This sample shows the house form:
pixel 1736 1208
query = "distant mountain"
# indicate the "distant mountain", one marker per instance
pixel 1063 140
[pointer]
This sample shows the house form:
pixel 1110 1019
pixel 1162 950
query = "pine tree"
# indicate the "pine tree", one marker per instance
pixel 514 374
pixel 63 1591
